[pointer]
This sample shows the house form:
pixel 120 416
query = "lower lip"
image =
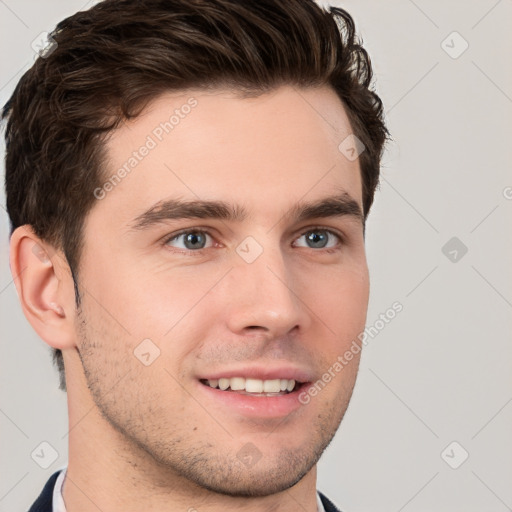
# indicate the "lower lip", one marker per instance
pixel 255 406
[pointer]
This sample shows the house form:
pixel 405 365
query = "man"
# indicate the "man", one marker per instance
pixel 188 184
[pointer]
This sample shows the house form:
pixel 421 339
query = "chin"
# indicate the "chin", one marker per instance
pixel 255 483
pixel 263 476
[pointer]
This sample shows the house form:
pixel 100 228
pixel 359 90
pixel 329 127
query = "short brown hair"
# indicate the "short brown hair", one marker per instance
pixel 107 63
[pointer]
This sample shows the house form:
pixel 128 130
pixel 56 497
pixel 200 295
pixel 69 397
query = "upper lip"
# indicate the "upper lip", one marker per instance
pixel 262 373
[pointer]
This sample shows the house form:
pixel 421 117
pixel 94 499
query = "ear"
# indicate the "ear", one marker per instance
pixel 45 288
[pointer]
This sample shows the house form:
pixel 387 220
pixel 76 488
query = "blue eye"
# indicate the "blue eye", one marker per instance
pixel 195 240
pixel 192 240
pixel 319 238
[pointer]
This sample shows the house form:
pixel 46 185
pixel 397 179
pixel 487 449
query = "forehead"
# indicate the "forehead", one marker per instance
pixel 266 152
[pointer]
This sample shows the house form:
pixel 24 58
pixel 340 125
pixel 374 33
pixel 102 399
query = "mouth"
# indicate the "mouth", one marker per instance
pixel 257 399
pixel 254 387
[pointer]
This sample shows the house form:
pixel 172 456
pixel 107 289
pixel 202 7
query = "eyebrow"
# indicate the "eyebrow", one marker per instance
pixel 172 209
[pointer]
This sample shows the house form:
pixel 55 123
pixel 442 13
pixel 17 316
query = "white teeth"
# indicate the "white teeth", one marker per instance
pixel 253 385
pixel 272 386
pixel 237 383
pixel 223 384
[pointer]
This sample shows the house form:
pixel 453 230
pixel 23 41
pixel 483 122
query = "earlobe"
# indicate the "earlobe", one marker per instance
pixel 45 287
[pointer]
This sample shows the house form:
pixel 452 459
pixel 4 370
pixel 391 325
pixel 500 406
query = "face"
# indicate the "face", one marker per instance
pixel 211 262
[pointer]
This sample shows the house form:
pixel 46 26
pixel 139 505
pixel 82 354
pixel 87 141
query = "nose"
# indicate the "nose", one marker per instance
pixel 266 295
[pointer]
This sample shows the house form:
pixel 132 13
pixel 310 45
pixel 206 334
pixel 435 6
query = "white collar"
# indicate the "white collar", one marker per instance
pixel 58 500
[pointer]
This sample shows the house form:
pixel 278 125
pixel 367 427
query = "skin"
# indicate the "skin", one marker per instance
pixel 146 437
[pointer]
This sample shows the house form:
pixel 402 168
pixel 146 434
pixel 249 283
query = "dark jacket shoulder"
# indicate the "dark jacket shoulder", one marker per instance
pixel 328 504
pixel 44 501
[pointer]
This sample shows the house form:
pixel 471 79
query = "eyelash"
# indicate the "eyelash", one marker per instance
pixel 199 252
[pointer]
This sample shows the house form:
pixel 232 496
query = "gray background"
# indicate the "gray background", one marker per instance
pixel 441 370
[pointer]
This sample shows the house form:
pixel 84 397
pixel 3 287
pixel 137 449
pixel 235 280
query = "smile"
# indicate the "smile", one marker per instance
pixel 255 387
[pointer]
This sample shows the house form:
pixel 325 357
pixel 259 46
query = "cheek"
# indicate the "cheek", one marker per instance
pixel 145 302
pixel 172 298
pixel 343 308
pixel 343 302
pixel 171 307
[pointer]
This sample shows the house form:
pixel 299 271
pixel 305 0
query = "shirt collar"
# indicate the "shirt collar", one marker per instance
pixel 58 500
